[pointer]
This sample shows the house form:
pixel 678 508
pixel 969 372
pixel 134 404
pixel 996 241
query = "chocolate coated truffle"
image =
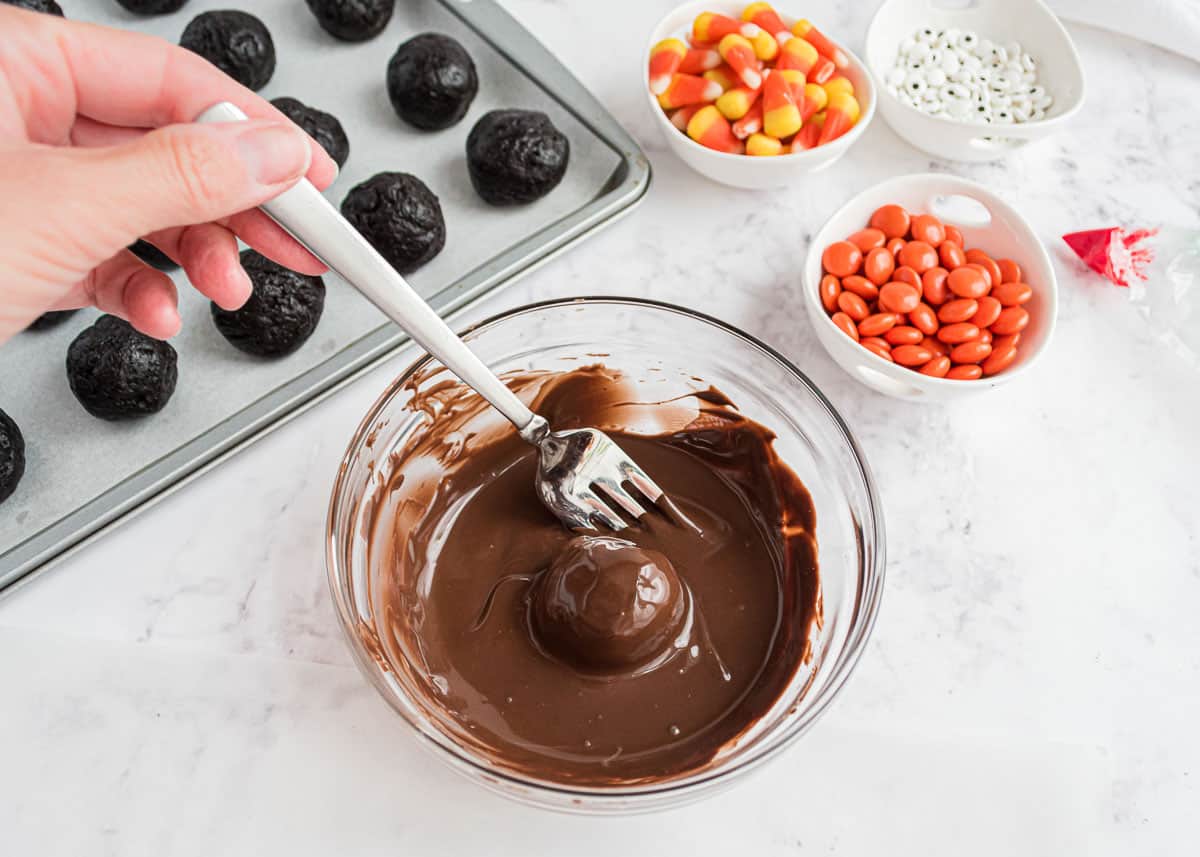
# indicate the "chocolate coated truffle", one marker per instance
pixel 281 314
pixel 12 456
pixel 321 126
pixel 152 7
pixel 607 605
pixel 431 81
pixel 516 156
pixel 49 7
pixel 117 373
pixel 400 216
pixel 236 42
pixel 352 20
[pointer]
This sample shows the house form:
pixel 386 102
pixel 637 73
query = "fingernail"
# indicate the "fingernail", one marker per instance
pixel 274 153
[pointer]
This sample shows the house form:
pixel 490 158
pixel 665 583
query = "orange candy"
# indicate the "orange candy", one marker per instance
pixel 877 347
pixel 964 372
pixel 970 352
pixel 1000 359
pixel 878 266
pixel 842 259
pixel 1012 319
pixel 892 220
pixel 867 239
pixel 911 355
pixel 924 319
pixel 919 256
pixel 953 234
pixel 1010 271
pixel 829 290
pixel 967 282
pixel 899 297
pixel 937 367
pixel 989 311
pixel 877 324
pixel 927 228
pixel 933 286
pixel 953 334
pixel 861 286
pixel 845 324
pixel 951 255
pixel 904 335
pixel 905 274
pixel 895 245
pixel 978 257
pixel 1012 294
pixel 959 309
pixel 853 306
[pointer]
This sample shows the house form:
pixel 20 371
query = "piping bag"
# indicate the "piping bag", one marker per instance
pixel 1161 270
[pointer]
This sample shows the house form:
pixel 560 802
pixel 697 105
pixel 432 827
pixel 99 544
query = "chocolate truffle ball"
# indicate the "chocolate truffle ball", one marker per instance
pixel 152 256
pixel 516 156
pixel 235 42
pixel 352 20
pixel 52 319
pixel 117 373
pixel 321 126
pixel 607 605
pixel 152 7
pixel 12 456
pixel 281 314
pixel 400 216
pixel 431 81
pixel 49 7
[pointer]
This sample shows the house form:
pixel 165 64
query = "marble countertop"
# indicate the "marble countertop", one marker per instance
pixel 181 687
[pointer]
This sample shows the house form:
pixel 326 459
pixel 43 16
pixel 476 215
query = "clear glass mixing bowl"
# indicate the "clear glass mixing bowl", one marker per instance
pixel 668 347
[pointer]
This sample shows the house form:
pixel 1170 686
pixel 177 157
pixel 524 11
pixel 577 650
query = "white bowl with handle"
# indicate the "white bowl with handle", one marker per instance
pixel 745 171
pixel 987 222
pixel 1029 22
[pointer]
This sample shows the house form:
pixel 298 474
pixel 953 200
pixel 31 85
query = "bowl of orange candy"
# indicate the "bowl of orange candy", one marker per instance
pixel 751 98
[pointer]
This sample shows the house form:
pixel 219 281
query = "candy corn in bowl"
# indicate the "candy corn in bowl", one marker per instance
pixel 749 96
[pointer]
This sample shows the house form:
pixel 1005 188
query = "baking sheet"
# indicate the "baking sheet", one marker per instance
pixel 83 473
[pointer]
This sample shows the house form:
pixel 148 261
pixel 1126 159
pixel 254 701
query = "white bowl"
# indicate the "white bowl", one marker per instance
pixel 986 222
pixel 1029 22
pixel 746 171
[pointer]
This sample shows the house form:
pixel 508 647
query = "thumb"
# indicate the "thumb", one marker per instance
pixel 185 174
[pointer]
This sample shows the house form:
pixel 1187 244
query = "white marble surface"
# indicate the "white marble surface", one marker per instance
pixel 180 687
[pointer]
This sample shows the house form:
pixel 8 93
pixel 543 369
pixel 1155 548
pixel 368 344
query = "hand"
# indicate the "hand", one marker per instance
pixel 93 155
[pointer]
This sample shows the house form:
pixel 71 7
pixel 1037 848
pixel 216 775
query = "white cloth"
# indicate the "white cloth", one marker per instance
pixel 1171 24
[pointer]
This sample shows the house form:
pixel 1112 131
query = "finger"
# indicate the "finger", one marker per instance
pixel 268 237
pixel 209 255
pixel 144 297
pixel 131 79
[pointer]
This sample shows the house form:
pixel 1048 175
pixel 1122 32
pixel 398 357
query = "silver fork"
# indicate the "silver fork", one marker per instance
pixel 577 469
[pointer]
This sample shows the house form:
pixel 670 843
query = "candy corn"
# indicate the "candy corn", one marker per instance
pixel 665 58
pixel 838 83
pixel 807 137
pixel 723 75
pixel 709 128
pixel 805 30
pixel 751 123
pixel 815 98
pixel 840 116
pixel 765 46
pixel 762 144
pixel 781 116
pixel 795 80
pixel 739 53
pixel 797 54
pixel 698 60
pixel 736 103
pixel 768 19
pixel 687 89
pixel 683 115
pixel 713 26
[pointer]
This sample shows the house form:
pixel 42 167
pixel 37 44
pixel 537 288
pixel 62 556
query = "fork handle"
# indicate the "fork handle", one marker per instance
pixel 315 223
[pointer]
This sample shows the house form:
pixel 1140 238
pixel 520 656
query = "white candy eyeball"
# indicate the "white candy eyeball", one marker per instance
pixel 920 50
pixel 984 49
pixel 928 35
pixel 1020 113
pixel 914 64
pixel 896 76
pixel 971 62
pixel 950 63
pixel 1037 115
pixel 1043 103
pixel 1013 48
pixel 934 59
pixel 915 83
pixel 954 92
pixel 1001 82
pixel 968 40
pixel 999 55
pixel 983 76
pixel 952 34
pixel 1003 116
pixel 1028 78
pixel 1028 63
pixel 907 45
pixel 935 76
pixel 1036 92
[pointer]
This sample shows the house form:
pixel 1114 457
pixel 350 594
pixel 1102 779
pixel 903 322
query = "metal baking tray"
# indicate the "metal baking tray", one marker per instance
pixel 85 474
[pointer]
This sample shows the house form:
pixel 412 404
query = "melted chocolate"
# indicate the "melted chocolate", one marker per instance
pixel 593 659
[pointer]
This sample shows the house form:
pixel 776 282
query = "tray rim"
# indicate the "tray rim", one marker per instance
pixel 625 188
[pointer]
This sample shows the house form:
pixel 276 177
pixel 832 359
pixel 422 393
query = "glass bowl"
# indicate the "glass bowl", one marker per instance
pixel 672 351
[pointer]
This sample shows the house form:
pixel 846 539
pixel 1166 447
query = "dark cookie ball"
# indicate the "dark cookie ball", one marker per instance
pixel 321 126
pixel 282 312
pixel 47 6
pixel 12 456
pixel 352 20
pixel 235 42
pixel 431 81
pixel 54 318
pixel 152 256
pixel 152 7
pixel 400 216
pixel 117 373
pixel 516 156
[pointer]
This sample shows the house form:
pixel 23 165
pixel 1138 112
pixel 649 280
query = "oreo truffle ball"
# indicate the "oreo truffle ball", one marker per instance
pixel 152 256
pixel 431 81
pixel 52 319
pixel 399 216
pixel 235 42
pixel 117 373
pixel 352 20
pixel 607 605
pixel 152 7
pixel 12 456
pixel 281 314
pixel 516 156
pixel 49 7
pixel 321 126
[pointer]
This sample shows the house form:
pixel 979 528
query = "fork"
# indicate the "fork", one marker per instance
pixel 580 472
